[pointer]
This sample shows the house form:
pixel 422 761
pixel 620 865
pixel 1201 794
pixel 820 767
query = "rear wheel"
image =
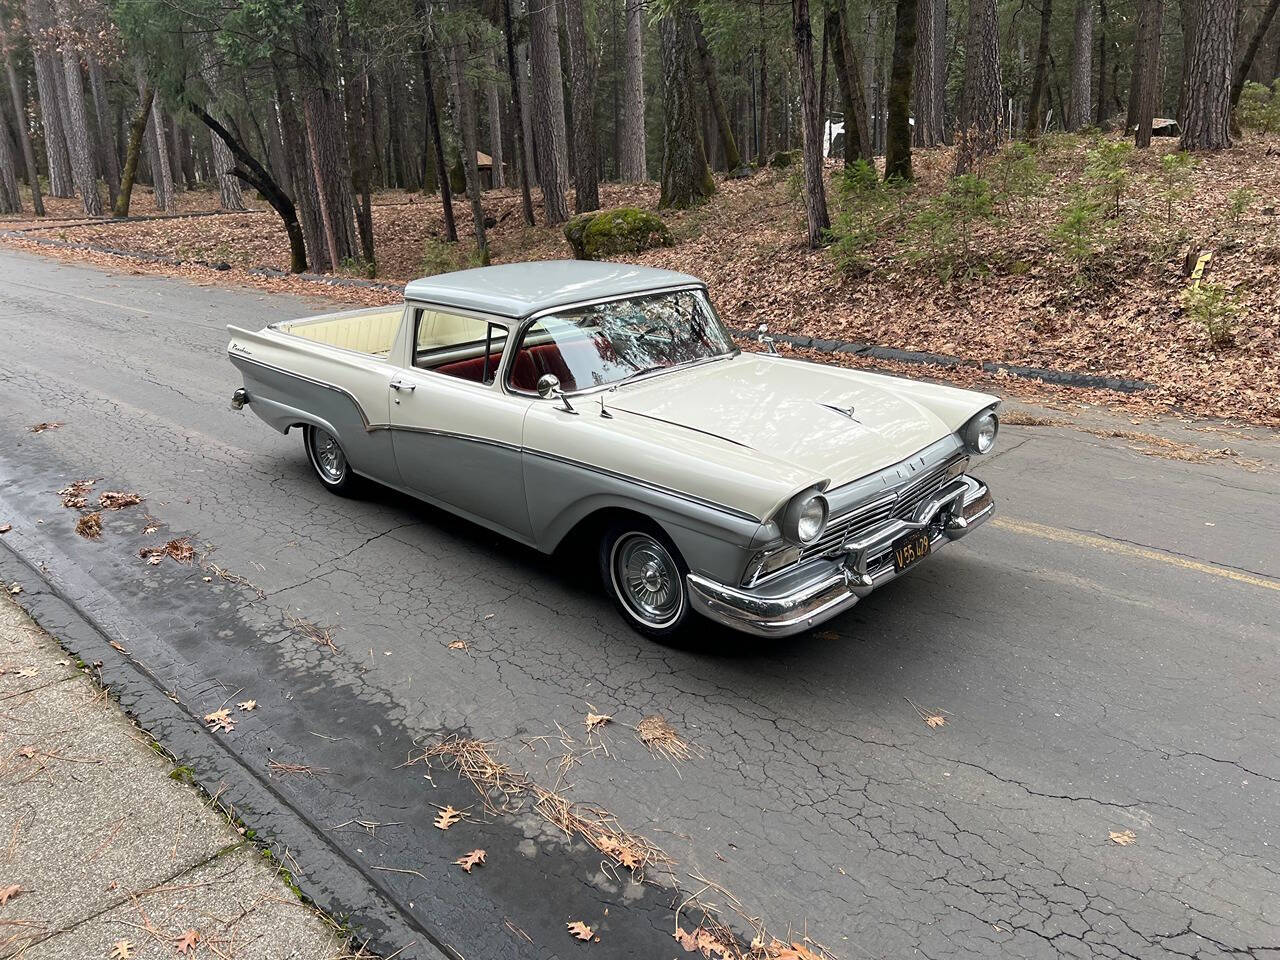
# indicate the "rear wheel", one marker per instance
pixel 645 577
pixel 328 460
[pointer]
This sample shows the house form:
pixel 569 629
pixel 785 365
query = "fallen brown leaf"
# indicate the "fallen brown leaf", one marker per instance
pixel 598 720
pixel 8 893
pixel 75 495
pixel 179 550
pixel 186 941
pixel 580 930
pixel 248 704
pixel 5 527
pixel 89 526
pixel 1123 838
pixel 458 645
pixel 117 500
pixel 469 860
pixel 220 720
pixel 447 817
pixel 123 950
pixel 42 427
pixel 16 589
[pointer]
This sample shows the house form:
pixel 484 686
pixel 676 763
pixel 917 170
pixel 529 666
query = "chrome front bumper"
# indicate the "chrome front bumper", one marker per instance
pixel 849 573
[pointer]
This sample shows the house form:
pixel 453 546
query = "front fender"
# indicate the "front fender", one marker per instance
pixel 561 495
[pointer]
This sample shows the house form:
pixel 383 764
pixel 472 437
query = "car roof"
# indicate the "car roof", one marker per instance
pixel 519 289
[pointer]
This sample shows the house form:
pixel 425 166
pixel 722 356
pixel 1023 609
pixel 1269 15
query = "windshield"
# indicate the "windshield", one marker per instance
pixel 606 343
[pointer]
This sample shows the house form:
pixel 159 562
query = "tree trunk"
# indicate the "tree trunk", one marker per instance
pixel 464 124
pixel 137 130
pixel 518 102
pixel 685 177
pixel 632 160
pixel 494 104
pixel 298 164
pixel 253 173
pixel 229 192
pixel 355 86
pixel 10 198
pixel 762 54
pixel 585 173
pixel 433 130
pixel 24 137
pixel 47 69
pixel 161 172
pixel 548 108
pixel 857 132
pixel 732 159
pixel 979 114
pixel 1102 110
pixel 326 134
pixel 1208 112
pixel 1146 70
pixel 815 195
pixel 926 86
pixel 108 161
pixel 1081 107
pixel 897 149
pixel 1035 115
pixel 1251 51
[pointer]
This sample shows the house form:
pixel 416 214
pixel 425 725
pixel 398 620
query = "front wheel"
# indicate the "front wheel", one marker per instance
pixel 329 461
pixel 645 577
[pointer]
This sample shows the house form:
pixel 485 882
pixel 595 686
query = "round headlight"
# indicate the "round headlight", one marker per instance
pixel 805 518
pixel 980 432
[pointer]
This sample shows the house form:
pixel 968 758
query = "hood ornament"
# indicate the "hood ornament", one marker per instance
pixel 843 411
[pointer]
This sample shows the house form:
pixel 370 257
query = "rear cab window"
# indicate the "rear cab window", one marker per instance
pixel 458 345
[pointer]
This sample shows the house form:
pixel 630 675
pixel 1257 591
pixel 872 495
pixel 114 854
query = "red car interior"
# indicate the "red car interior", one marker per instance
pixel 532 363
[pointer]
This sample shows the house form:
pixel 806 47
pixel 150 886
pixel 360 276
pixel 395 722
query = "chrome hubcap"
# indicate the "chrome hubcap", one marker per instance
pixel 329 458
pixel 647 579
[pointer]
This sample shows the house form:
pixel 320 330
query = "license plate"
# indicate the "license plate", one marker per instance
pixel 910 549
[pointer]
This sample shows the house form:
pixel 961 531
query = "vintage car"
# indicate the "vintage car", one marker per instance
pixel 568 402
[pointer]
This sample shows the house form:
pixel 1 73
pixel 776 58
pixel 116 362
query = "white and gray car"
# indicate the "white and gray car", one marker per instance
pixel 601 403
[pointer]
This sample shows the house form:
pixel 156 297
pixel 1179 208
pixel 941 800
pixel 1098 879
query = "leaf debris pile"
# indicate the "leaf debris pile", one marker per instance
pixel 180 550
pixel 89 526
pixel 75 496
pixel 656 733
pixel 118 500
pixel 318 634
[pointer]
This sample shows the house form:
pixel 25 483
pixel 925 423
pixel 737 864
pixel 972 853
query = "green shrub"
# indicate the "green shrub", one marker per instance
pixel 1259 107
pixel 1077 227
pixel 439 256
pixel 1215 309
pixel 1175 172
pixel 1237 203
pixel 607 233
pixel 941 232
pixel 1107 168
pixel 1016 175
pixel 866 209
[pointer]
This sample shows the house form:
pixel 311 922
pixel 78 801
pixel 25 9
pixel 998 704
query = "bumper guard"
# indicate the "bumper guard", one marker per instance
pixel 960 505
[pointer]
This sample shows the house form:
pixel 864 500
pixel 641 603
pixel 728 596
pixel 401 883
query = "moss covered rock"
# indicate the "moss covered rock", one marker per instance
pixel 785 158
pixel 607 233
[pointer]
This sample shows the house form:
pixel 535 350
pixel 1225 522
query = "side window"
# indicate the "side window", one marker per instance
pixel 458 345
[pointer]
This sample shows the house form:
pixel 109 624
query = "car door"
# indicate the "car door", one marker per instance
pixel 455 433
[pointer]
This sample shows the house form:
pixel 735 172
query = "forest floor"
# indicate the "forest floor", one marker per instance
pixel 1071 257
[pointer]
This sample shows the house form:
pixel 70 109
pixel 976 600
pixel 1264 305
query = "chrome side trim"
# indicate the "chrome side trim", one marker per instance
pixel 448 434
pixel 837 585
pixel 241 358
pixel 648 485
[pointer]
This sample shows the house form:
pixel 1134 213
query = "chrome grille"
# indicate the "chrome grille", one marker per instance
pixel 899 506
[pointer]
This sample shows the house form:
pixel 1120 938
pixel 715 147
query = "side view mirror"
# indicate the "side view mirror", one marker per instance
pixel 549 387
pixel 763 338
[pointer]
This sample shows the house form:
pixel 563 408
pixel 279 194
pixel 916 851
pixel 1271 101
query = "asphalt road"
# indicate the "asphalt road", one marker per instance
pixel 1106 653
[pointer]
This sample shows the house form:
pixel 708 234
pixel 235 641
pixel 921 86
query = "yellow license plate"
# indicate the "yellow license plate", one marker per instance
pixel 911 549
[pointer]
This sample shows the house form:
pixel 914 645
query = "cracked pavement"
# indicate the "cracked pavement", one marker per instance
pixel 1086 690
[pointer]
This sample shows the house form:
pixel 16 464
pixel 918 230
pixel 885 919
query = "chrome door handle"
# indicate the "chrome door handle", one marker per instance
pixel 397 385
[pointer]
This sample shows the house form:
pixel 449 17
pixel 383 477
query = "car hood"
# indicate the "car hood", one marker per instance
pixel 835 423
